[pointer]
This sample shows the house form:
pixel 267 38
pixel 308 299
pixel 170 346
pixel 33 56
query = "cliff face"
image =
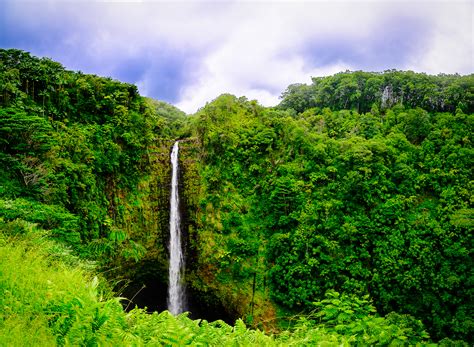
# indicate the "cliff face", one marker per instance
pixel 191 190
pixel 145 217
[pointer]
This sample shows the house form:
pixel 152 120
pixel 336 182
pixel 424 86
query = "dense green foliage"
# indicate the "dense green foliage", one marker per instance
pixel 359 184
pixel 375 203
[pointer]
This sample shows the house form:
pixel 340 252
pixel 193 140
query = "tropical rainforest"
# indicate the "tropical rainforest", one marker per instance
pixel 341 216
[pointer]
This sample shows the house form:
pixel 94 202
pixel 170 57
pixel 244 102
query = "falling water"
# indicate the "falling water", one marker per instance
pixel 176 292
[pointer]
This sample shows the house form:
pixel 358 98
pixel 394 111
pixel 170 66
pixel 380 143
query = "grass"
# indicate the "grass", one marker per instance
pixel 50 297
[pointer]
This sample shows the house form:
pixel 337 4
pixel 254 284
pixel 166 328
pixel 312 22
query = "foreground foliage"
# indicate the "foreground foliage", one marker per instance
pixel 50 297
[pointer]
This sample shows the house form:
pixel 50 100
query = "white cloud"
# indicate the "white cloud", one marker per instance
pixel 450 49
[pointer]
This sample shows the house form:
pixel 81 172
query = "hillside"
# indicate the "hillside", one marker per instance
pixel 376 203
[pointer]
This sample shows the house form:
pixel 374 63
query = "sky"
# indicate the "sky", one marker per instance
pixel 189 52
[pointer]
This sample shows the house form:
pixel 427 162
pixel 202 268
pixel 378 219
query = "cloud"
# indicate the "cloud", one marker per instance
pixel 389 44
pixel 450 47
pixel 189 52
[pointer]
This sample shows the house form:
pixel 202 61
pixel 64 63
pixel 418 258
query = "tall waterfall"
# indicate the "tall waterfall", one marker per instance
pixel 176 291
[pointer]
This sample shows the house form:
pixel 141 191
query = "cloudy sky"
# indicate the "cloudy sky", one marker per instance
pixel 189 52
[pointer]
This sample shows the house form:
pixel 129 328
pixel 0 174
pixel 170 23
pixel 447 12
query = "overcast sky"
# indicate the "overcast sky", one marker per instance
pixel 189 52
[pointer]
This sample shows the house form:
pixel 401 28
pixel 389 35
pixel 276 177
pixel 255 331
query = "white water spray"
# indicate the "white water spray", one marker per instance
pixel 176 292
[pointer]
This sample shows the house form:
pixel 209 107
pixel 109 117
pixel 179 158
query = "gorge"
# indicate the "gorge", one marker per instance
pixel 339 208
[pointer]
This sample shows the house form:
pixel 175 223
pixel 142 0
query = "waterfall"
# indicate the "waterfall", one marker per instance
pixel 176 290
